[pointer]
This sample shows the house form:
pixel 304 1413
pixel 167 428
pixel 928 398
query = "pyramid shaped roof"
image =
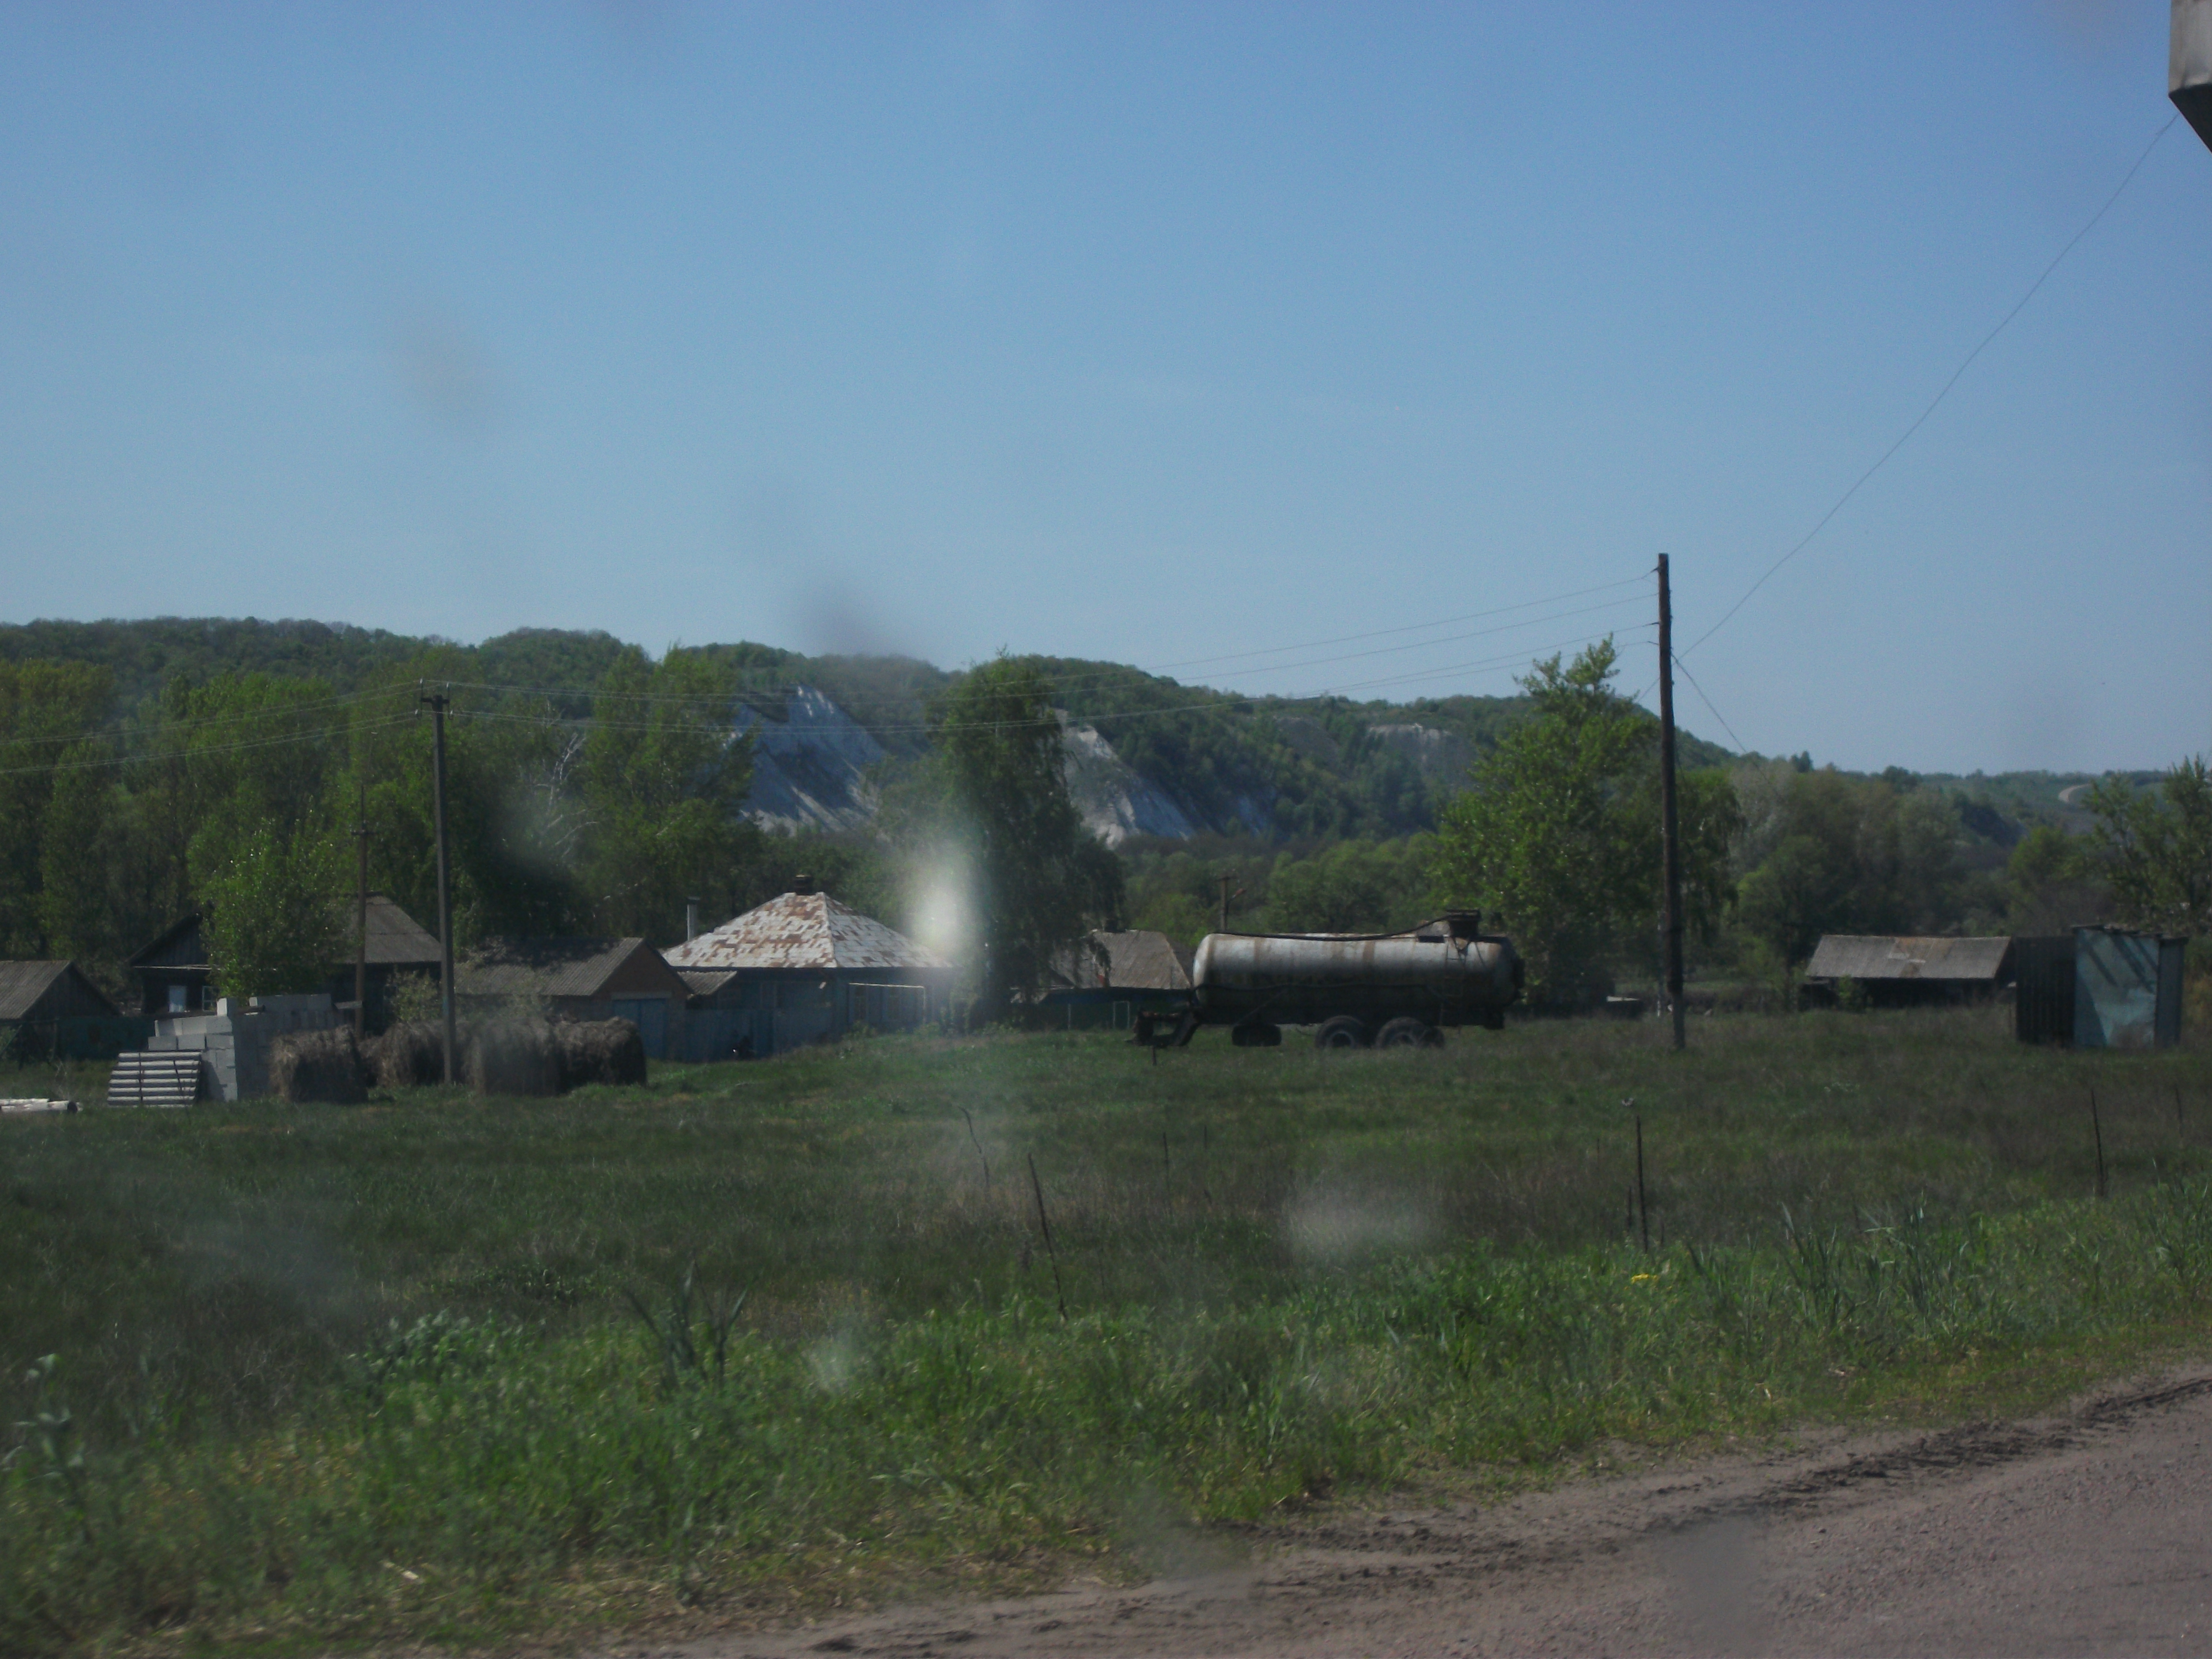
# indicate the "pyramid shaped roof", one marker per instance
pixel 803 932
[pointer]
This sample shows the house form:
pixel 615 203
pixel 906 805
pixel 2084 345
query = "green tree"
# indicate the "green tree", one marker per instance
pixel 2052 883
pixel 1558 835
pixel 664 780
pixel 274 923
pixel 1815 876
pixel 1000 791
pixel 1353 887
pixel 76 847
pixel 2156 848
pixel 47 710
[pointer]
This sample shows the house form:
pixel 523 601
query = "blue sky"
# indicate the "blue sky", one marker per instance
pixel 1159 334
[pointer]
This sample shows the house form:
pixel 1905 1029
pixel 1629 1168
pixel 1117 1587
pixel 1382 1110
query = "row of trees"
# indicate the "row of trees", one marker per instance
pixel 1557 837
pixel 241 796
pixel 1556 840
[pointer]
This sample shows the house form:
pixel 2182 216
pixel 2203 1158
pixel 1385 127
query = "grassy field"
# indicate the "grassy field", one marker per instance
pixel 757 1338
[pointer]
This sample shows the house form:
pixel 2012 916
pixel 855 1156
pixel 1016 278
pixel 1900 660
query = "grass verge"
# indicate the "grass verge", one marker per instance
pixel 453 1371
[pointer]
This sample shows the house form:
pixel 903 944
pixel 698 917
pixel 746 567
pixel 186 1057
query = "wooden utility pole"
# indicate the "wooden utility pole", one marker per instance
pixel 1670 838
pixel 1225 904
pixel 439 703
pixel 360 898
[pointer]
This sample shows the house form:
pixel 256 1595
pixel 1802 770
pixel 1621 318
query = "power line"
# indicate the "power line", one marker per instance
pixel 1708 702
pixel 320 735
pixel 125 729
pixel 1217 701
pixel 1882 460
pixel 1379 632
pixel 1065 683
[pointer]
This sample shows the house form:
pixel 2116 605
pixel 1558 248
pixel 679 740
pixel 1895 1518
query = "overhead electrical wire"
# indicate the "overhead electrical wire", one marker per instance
pixel 1903 438
pixel 716 700
pixel 602 724
pixel 122 730
pixel 320 735
pixel 1708 702
pixel 1061 685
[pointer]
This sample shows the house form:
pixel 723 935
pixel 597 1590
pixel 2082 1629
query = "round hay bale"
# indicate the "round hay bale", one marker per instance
pixel 598 1051
pixel 408 1056
pixel 323 1066
pixel 512 1057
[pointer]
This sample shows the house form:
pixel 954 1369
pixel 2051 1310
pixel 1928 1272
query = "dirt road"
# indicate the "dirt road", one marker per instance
pixel 2086 1534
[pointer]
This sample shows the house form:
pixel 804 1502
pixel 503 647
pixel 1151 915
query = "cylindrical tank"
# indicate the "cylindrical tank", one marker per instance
pixel 1443 972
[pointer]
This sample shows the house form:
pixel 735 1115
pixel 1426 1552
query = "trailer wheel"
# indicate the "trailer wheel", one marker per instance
pixel 1256 1033
pixel 1406 1032
pixel 1341 1031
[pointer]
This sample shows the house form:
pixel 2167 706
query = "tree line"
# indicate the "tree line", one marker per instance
pixel 1556 841
pixel 602 811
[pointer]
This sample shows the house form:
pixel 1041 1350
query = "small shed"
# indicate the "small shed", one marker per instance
pixel 582 979
pixel 2100 988
pixel 50 1008
pixel 1106 979
pixel 1897 971
pixel 803 968
pixel 173 974
pixel 397 944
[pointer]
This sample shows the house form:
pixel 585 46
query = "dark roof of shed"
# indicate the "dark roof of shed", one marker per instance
pixel 1144 960
pixel 168 936
pixel 396 939
pixel 1139 960
pixel 23 983
pixel 1888 957
pixel 544 967
pixel 705 982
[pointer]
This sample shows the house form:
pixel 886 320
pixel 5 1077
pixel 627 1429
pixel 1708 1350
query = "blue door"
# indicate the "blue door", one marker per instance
pixel 650 1015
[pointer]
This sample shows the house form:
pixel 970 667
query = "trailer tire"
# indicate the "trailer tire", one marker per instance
pixel 1407 1032
pixel 1256 1033
pixel 1341 1031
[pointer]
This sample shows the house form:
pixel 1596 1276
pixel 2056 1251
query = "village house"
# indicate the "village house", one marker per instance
pixel 803 968
pixel 1894 971
pixel 580 979
pixel 397 944
pixel 50 1008
pixel 1104 979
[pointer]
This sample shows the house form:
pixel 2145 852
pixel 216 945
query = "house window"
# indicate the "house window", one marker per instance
pixel 177 998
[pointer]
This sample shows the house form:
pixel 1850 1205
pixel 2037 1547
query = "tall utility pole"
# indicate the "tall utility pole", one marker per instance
pixel 1224 903
pixel 439 703
pixel 361 896
pixel 1670 838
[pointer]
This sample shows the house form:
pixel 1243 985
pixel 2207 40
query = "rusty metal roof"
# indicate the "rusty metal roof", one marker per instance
pixel 803 932
pixel 1882 956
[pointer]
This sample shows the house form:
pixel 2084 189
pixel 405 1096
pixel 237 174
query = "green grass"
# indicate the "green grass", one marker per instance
pixel 344 1375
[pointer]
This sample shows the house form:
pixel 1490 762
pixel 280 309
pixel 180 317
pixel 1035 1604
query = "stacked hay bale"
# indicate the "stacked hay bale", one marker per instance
pixel 409 1056
pixel 319 1065
pixel 598 1051
pixel 512 1057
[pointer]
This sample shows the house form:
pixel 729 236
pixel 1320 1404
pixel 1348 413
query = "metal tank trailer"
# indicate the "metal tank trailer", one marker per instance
pixel 1354 989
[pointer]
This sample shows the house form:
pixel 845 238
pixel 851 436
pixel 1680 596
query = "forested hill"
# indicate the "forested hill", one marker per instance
pixel 1148 756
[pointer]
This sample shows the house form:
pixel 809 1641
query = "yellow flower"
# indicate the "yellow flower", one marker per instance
pixel 1637 1279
